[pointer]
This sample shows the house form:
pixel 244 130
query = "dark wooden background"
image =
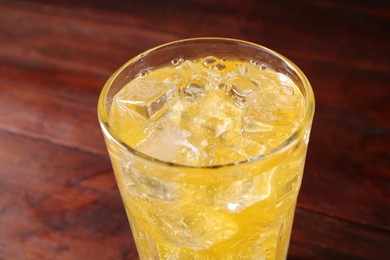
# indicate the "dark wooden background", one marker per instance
pixel 58 196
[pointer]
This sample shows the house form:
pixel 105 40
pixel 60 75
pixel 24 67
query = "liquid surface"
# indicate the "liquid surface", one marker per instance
pixel 207 112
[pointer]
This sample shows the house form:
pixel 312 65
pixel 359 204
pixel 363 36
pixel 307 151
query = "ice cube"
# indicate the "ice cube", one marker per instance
pixel 247 70
pixel 271 108
pixel 252 125
pixel 148 98
pixel 257 119
pixel 221 154
pixel 271 118
pixel 192 71
pixel 238 87
pixel 247 147
pixel 186 222
pixel 138 183
pixel 174 113
pixel 243 84
pixel 121 120
pixel 212 115
pixel 239 96
pixel 241 70
pixel 231 147
pixel 194 226
pixel 167 75
pixel 193 90
pixel 237 196
pixel 170 143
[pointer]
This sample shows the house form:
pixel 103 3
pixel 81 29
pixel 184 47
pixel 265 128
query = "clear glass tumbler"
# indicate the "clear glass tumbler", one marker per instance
pixel 240 210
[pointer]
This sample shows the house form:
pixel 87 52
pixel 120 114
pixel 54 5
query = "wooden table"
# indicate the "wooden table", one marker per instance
pixel 58 196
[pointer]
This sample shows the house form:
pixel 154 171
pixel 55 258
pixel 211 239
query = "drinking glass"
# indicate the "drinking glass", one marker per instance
pixel 239 210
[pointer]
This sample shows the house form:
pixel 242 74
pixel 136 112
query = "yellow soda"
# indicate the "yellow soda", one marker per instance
pixel 210 125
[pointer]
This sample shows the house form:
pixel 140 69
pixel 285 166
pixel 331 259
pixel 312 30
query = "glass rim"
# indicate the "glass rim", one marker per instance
pixel 303 124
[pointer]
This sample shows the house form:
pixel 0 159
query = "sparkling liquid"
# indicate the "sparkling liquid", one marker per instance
pixel 198 114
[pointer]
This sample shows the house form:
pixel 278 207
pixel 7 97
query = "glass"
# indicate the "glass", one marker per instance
pixel 240 210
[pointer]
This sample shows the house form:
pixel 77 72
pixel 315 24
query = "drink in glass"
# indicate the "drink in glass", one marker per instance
pixel 208 138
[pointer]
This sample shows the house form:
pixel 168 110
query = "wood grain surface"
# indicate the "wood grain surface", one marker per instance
pixel 58 196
